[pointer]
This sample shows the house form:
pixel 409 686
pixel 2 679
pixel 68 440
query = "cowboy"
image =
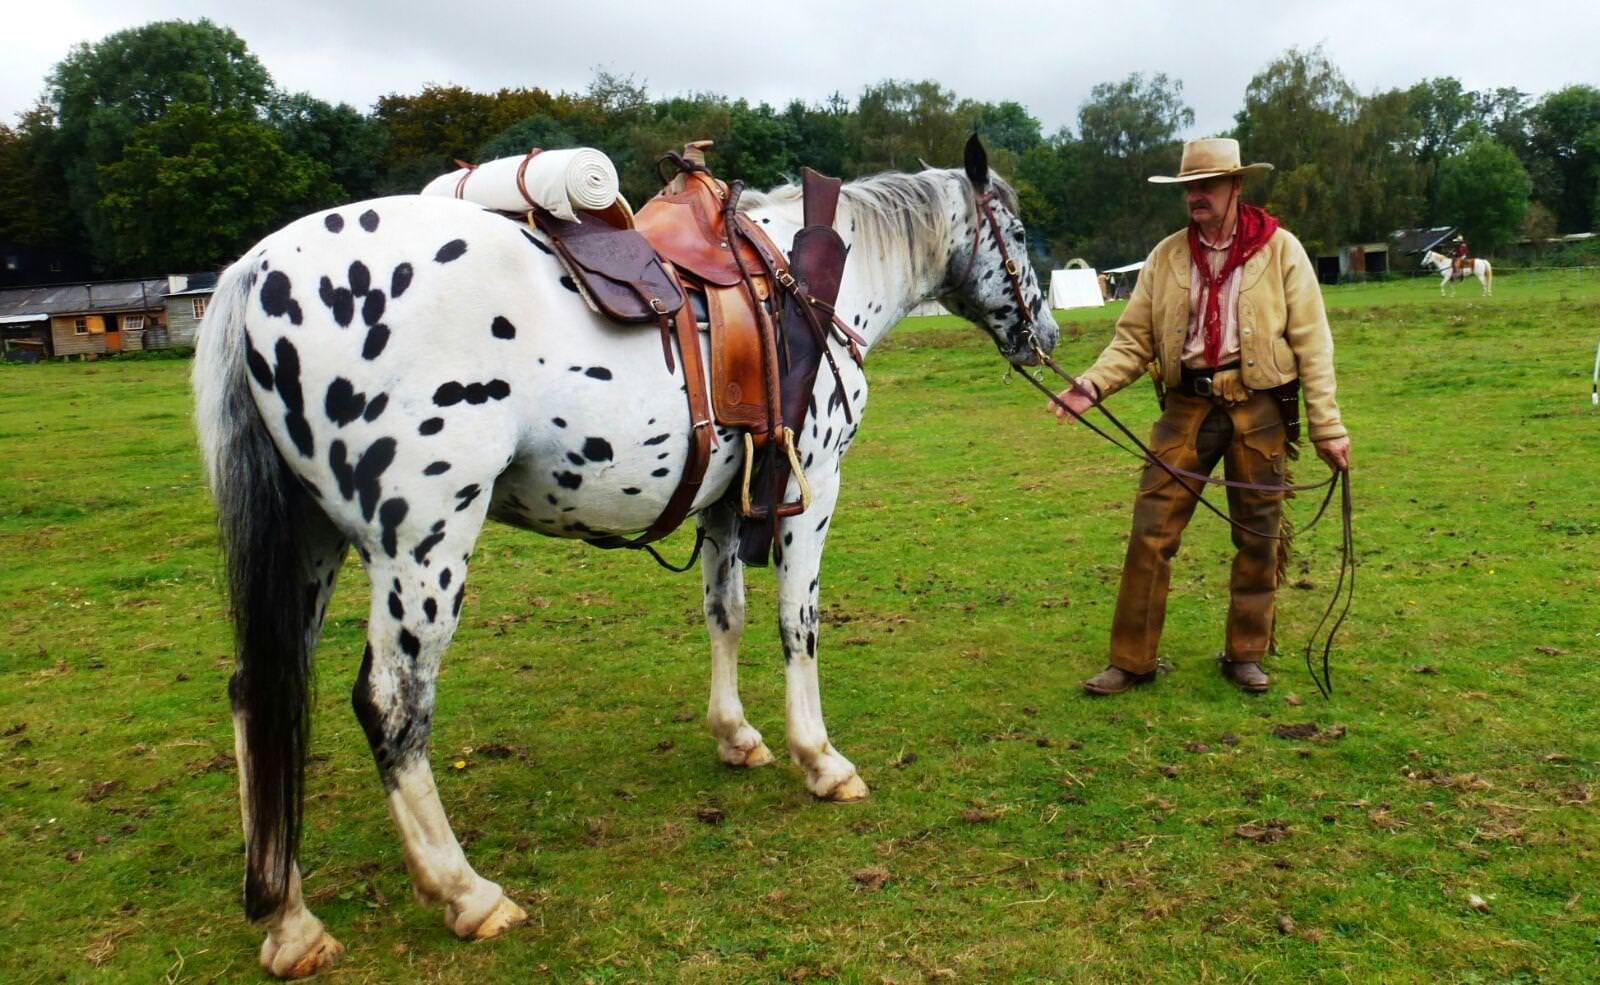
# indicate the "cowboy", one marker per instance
pixel 1459 258
pixel 1229 313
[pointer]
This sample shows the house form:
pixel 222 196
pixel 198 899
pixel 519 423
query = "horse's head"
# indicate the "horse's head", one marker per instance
pixel 1431 259
pixel 990 281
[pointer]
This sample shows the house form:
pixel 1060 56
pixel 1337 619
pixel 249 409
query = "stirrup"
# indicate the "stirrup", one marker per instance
pixel 787 437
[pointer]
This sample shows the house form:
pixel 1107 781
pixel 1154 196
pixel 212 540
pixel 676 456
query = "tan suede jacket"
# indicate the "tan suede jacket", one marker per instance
pixel 1283 329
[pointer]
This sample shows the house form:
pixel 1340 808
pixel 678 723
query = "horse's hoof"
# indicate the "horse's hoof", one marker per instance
pixel 290 962
pixel 757 755
pixel 502 918
pixel 848 791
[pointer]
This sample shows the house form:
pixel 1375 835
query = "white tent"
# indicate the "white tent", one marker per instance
pixel 1075 288
pixel 927 308
pixel 1127 268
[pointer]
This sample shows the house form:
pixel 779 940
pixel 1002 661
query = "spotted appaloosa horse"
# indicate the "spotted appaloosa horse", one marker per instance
pixel 390 374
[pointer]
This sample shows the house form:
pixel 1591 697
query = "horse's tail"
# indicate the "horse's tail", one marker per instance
pixel 1488 273
pixel 260 512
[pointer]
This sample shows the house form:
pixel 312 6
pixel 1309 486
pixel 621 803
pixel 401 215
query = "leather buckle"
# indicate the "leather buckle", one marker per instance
pixel 658 306
pixel 1201 386
pixel 1011 267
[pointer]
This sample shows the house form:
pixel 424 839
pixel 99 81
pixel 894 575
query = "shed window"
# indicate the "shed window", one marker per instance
pixel 80 326
pixel 199 305
pixel 133 323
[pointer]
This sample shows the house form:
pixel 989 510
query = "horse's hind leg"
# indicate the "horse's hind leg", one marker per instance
pixel 720 568
pixel 417 592
pixel 297 945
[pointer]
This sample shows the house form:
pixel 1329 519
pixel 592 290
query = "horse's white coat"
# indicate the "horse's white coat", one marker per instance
pixel 421 366
pixel 1446 266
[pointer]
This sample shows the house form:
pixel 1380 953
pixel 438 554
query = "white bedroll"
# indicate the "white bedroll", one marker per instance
pixel 558 181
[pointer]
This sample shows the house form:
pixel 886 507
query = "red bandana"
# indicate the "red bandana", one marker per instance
pixel 1250 233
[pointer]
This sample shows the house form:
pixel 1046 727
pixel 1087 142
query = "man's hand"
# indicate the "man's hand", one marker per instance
pixel 1078 396
pixel 1336 452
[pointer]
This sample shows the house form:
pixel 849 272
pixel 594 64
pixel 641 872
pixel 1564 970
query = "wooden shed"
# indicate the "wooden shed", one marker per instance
pixel 88 320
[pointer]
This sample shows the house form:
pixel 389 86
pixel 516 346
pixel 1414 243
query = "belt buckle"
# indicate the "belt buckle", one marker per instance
pixel 1204 391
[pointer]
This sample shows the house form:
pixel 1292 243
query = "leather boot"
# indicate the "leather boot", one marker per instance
pixel 1247 677
pixel 1115 680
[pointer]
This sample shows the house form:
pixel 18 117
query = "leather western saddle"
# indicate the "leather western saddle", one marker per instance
pixel 770 321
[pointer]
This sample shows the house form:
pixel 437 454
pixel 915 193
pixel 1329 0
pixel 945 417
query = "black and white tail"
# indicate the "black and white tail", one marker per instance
pixel 261 512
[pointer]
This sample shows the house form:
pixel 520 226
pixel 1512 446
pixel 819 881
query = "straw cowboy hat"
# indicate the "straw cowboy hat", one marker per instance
pixel 1213 157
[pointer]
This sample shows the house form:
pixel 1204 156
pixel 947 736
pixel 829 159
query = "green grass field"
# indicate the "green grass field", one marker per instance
pixel 1027 833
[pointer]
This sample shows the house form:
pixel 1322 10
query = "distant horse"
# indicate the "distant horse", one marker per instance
pixel 393 373
pixel 1445 265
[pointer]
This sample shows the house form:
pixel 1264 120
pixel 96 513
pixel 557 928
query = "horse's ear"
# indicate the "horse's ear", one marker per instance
pixel 977 164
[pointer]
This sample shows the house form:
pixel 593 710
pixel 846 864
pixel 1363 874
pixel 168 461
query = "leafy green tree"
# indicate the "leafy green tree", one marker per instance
pixel 899 124
pixel 33 202
pixel 1298 110
pixel 1008 125
pixel 1485 188
pixel 1127 130
pixel 101 93
pixel 540 130
pixel 821 139
pixel 197 187
pixel 351 144
pixel 1566 140
pixel 762 148
pixel 1444 113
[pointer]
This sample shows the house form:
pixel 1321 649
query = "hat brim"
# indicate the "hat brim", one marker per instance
pixel 1245 171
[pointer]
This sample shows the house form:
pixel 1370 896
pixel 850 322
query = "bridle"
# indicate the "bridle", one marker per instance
pixel 1337 482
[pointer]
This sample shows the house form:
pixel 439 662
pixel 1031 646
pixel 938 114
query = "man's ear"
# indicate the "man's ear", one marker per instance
pixel 977 164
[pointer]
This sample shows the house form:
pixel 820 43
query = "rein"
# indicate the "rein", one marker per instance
pixel 1337 482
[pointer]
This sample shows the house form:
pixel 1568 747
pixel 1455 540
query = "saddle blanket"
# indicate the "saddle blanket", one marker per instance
pixel 558 181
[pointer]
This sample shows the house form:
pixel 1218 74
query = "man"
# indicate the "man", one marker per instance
pixel 1459 265
pixel 1230 313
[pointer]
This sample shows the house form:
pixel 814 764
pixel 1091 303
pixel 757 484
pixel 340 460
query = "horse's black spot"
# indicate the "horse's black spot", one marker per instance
pixel 338 461
pixel 369 221
pixel 811 642
pixel 334 221
pixel 390 516
pixel 549 498
pixel 658 473
pixel 258 364
pixel 430 608
pixel 372 464
pixel 788 538
pixel 455 604
pixel 630 491
pixel 395 608
pixel 360 278
pixel 339 300
pixel 575 458
pixel 342 403
pixel 502 328
pixel 372 307
pixel 807 463
pixel 377 338
pixel 664 455
pixel 375 406
pixel 566 282
pixel 597 449
pixel 568 480
pixel 277 298
pixel 529 237
pixel 657 439
pixel 558 422
pixel 451 251
pixel 426 544
pixel 466 494
pixel 598 372
pixel 400 280
pixel 410 644
pixel 827 437
pixel 444 579
pixel 453 392
pixel 436 468
pixel 432 425
pixel 287 377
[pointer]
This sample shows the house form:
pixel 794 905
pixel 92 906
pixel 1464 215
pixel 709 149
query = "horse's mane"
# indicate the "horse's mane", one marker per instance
pixel 893 214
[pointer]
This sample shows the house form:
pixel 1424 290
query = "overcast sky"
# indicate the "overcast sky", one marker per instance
pixel 1044 55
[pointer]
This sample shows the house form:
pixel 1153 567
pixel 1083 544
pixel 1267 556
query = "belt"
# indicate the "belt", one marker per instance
pixel 1197 382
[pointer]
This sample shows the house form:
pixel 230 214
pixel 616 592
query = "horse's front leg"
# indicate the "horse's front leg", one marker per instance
pixel 417 592
pixel 828 774
pixel 723 573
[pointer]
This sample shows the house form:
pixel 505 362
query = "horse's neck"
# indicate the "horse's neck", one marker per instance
pixel 881 290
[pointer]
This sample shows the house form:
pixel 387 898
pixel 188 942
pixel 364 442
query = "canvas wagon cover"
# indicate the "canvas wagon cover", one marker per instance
pixel 1079 288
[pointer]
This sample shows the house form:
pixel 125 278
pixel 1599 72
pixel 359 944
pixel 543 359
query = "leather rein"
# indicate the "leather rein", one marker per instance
pixel 1337 482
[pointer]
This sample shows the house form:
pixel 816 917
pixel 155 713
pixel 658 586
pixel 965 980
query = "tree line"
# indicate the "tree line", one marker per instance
pixel 151 169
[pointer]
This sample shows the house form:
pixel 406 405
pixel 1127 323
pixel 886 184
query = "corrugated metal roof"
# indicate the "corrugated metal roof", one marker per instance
pixel 1421 240
pixel 64 299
